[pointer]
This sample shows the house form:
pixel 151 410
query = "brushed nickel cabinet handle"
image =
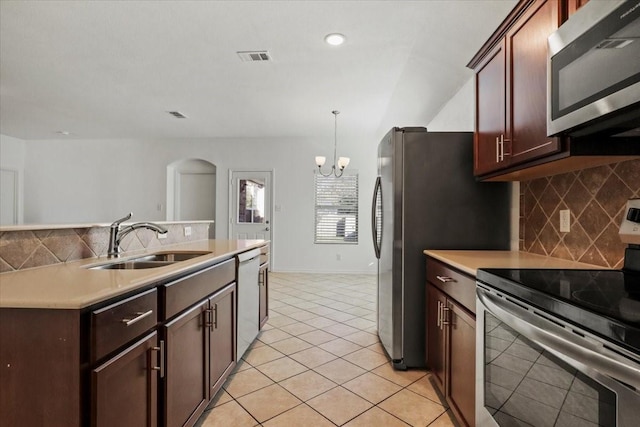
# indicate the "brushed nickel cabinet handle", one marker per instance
pixel 208 318
pixel 438 319
pixel 159 368
pixel 445 311
pixel 215 316
pixel 445 279
pixel 497 149
pixel 139 317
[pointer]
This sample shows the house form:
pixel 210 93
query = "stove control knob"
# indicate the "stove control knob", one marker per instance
pixel 633 215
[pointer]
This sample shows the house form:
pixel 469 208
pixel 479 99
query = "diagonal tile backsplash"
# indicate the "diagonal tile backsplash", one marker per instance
pixel 27 249
pixel 596 198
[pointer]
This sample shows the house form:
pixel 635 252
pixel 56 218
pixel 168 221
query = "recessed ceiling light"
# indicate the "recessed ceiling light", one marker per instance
pixel 64 132
pixel 335 39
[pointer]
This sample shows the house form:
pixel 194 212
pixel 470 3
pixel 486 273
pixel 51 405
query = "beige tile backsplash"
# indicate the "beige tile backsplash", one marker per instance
pixel 27 249
pixel 596 198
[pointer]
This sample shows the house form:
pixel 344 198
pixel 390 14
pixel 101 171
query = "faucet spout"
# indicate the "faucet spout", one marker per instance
pixel 117 234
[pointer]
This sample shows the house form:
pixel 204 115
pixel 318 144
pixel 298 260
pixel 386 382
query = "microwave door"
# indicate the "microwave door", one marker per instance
pixel 596 73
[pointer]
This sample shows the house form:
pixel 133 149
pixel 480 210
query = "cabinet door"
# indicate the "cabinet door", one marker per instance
pixel 264 295
pixel 490 111
pixel 436 335
pixel 186 379
pixel 222 343
pixel 461 364
pixel 527 89
pixel 124 389
pixel 574 5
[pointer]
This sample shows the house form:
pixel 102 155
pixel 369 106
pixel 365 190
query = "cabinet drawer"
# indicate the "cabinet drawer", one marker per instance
pixel 264 255
pixel 119 323
pixel 455 284
pixel 185 292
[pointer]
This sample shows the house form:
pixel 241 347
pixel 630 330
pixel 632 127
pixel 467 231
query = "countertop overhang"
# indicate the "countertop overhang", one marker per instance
pixel 471 260
pixel 73 285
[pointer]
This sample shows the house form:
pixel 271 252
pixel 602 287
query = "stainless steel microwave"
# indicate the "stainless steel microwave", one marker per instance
pixel 594 71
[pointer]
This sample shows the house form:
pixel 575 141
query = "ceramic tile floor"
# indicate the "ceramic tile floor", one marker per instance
pixel 318 362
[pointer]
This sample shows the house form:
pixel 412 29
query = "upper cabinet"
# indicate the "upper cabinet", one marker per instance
pixel 511 87
pixel 511 142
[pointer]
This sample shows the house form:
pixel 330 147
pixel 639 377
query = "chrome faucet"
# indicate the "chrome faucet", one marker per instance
pixel 116 235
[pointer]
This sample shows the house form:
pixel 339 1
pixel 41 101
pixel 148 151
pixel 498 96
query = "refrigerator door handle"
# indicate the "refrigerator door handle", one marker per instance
pixel 374 218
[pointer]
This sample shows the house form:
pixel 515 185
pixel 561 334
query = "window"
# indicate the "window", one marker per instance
pixel 336 209
pixel 251 201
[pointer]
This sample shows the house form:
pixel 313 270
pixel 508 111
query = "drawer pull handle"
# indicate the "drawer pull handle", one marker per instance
pixel 139 317
pixel 439 317
pixel 161 351
pixel 445 279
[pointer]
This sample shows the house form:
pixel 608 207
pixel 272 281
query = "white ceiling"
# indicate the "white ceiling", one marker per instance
pixel 112 69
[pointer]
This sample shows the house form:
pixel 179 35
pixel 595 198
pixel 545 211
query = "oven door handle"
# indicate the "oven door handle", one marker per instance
pixel 559 341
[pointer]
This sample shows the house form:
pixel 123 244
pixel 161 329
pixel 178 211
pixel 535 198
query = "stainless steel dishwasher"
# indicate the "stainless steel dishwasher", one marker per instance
pixel 248 299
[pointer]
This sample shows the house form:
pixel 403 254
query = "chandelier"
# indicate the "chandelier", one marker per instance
pixel 342 162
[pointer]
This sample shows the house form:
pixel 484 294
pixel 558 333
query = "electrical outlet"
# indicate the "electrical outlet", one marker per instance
pixel 187 231
pixel 565 221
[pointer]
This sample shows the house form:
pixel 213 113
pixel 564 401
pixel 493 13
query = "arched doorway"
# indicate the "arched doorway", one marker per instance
pixel 191 191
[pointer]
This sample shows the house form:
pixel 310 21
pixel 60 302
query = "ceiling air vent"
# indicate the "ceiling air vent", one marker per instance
pixel 177 114
pixel 255 56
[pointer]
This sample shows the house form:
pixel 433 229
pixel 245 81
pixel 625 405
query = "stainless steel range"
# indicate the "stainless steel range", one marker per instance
pixel 561 347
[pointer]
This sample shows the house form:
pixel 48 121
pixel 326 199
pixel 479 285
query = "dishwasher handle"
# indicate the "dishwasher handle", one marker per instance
pixel 248 255
pixel 559 341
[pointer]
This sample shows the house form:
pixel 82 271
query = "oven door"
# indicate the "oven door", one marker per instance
pixel 532 370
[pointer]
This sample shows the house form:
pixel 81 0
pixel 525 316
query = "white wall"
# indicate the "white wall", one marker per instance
pixel 12 157
pixel 101 180
pixel 459 113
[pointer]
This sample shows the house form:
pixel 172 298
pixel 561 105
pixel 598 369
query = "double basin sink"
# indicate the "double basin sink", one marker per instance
pixel 159 259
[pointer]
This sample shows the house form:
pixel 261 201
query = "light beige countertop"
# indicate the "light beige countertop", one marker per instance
pixel 73 285
pixel 471 261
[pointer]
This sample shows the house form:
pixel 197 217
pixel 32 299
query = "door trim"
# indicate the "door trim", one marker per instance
pixel 272 177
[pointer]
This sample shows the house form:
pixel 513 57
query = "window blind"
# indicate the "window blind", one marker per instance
pixel 336 209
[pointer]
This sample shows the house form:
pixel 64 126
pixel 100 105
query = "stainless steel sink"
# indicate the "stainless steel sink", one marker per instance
pixel 160 259
pixel 131 265
pixel 172 256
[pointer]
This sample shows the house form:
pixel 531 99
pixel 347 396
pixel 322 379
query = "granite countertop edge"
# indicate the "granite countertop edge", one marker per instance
pixel 469 261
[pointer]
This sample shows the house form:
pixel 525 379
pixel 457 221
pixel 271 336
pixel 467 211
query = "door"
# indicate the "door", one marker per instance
pixel 124 387
pixel 490 112
pixel 222 345
pixel 390 280
pixel 436 300
pixel 461 369
pixel 186 387
pixel 527 89
pixel 250 205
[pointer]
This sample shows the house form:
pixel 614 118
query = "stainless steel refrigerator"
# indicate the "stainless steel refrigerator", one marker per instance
pixel 426 197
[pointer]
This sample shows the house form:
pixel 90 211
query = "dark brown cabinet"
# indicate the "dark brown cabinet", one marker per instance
pixel 222 343
pixel 511 79
pixel 200 340
pixel 511 142
pixel 186 389
pixel 124 389
pixel 451 340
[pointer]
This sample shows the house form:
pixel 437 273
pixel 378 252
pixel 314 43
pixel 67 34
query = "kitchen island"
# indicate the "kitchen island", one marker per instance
pixel 81 344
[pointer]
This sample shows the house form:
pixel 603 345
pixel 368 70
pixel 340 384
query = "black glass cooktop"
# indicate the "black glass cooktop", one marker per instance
pixel 607 302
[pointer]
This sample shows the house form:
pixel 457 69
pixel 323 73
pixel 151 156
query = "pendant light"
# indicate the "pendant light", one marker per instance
pixel 342 162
